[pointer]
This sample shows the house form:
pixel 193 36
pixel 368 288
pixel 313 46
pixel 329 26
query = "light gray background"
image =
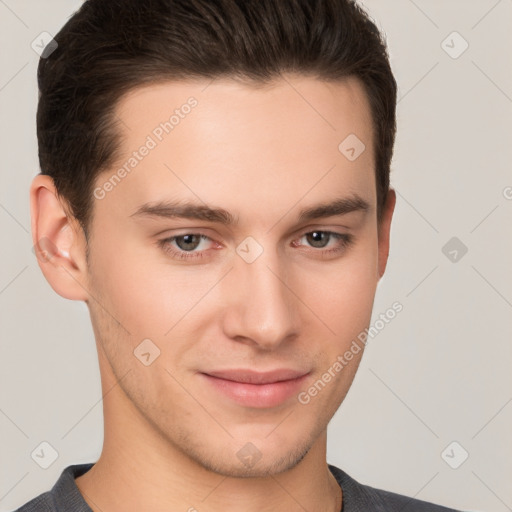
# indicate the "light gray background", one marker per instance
pixel 439 372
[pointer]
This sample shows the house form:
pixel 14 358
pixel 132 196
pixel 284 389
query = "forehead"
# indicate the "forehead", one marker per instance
pixel 222 141
pixel 292 101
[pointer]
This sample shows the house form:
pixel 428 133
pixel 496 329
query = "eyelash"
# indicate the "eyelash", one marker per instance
pixel 345 240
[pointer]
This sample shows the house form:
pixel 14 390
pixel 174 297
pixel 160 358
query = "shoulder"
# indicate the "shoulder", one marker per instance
pixel 42 503
pixel 392 501
pixel 64 495
pixel 361 497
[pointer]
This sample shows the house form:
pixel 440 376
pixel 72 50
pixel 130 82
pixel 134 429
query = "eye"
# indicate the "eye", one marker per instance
pixel 186 245
pixel 189 246
pixel 320 239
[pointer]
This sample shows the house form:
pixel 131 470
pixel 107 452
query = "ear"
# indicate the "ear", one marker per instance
pixel 384 231
pixel 59 241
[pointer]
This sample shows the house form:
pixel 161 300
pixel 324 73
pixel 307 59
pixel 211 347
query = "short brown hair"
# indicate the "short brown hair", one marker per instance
pixel 110 47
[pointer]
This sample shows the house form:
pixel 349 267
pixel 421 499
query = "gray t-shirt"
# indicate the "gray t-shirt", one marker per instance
pixel 65 496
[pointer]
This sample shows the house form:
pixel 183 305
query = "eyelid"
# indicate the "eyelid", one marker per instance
pixel 331 228
pixel 172 238
pixel 202 232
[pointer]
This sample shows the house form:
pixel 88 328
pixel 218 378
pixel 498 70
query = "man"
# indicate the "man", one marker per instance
pixel 215 187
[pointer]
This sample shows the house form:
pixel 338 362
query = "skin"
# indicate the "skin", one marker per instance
pixel 170 438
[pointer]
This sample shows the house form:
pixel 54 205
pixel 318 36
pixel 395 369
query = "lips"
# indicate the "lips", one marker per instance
pixel 252 377
pixel 256 389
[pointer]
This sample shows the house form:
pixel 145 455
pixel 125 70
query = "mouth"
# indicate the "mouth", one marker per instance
pixel 256 389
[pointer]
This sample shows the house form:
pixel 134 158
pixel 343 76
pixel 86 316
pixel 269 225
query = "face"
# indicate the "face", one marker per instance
pixel 227 289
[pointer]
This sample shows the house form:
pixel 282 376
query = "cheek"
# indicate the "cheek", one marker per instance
pixel 341 293
pixel 149 297
pixel 143 293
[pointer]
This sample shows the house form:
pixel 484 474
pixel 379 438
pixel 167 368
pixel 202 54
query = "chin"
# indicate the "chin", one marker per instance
pixel 250 461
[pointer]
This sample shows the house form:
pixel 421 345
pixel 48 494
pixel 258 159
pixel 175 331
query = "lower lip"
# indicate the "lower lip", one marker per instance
pixel 257 395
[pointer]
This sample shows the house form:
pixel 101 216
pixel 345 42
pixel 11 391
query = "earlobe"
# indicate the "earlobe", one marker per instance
pixel 59 242
pixel 384 231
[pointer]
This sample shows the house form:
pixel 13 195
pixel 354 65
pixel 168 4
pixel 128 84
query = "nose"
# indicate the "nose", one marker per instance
pixel 261 308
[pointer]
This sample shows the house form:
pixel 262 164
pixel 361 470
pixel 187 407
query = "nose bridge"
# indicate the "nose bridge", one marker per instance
pixel 263 309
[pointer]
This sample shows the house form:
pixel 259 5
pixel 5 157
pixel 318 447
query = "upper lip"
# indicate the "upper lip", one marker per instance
pixel 253 377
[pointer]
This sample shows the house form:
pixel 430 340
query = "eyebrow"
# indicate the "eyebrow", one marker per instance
pixel 190 210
